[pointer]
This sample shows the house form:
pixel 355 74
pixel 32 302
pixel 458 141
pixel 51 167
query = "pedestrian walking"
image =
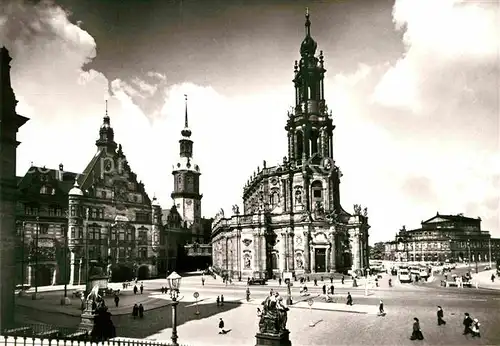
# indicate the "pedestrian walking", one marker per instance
pixel 331 279
pixel 492 277
pixel 315 282
pixel 222 300
pixel 221 326
pixel 162 289
pixel 417 333
pixel 142 287
pixel 475 328
pixel 202 281
pixel 467 323
pixel 135 311
pixel 349 298
pixel 218 301
pixel 279 281
pixel 342 280
pixel 381 308
pixel 135 289
pixel 324 289
pixel 248 294
pixel 117 300
pixel 440 315
pixel 141 311
pixel 332 289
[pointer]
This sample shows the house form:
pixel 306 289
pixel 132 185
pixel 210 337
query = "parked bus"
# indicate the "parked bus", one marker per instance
pixel 404 275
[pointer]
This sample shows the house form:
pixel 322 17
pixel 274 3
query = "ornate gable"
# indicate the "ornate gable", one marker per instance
pixel 436 219
pixel 110 171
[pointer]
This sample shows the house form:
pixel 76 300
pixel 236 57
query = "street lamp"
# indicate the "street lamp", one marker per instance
pixel 489 250
pixel 468 249
pixel 37 226
pixel 174 283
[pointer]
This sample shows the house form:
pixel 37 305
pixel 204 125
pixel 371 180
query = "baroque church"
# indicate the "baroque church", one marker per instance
pixel 292 219
pixel 72 225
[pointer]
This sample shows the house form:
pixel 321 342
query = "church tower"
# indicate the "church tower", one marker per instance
pixel 310 130
pixel 186 194
pixel 10 122
pixel 106 135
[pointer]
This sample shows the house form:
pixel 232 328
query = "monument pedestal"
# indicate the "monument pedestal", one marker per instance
pixel 88 320
pixel 265 339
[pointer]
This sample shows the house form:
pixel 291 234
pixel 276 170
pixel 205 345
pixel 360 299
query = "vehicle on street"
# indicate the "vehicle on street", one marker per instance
pixel 257 281
pixel 404 276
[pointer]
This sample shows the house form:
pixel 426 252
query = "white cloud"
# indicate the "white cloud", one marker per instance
pixel 233 135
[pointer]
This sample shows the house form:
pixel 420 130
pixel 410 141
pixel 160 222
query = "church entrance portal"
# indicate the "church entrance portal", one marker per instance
pixel 320 260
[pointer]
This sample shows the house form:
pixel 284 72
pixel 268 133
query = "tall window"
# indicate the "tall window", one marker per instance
pixel 130 235
pixel 317 189
pixel 121 235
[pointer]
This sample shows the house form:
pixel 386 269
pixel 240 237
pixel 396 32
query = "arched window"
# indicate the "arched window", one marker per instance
pixel 45 190
pixel 317 189
pixel 300 145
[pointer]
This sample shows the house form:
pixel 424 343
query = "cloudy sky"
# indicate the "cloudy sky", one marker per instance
pixel 413 86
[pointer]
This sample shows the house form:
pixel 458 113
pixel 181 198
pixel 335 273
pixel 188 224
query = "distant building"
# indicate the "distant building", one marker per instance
pixel 103 219
pixel 10 122
pixel 454 238
pixel 293 220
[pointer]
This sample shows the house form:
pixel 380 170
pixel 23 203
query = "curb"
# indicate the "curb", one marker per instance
pixel 333 310
pixel 79 313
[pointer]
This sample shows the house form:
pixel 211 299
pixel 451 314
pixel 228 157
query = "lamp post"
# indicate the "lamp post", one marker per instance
pixel 489 250
pixel 174 283
pixel 37 226
pixel 468 249
pixel 87 260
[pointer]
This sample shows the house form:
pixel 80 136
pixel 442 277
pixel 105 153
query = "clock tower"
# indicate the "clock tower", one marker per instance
pixel 186 194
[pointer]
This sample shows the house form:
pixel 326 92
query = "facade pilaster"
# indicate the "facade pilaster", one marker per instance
pixel 282 252
pixel 291 251
pixel 263 253
pixel 30 275
pixel 307 253
pixel 354 235
pixel 333 252
pixel 313 259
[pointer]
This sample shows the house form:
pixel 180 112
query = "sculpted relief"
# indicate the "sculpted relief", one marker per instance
pixel 299 261
pixel 247 260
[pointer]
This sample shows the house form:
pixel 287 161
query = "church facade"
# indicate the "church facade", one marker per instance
pixel 71 224
pixel 292 219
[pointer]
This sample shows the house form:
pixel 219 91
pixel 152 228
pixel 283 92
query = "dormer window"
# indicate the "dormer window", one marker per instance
pixel 46 190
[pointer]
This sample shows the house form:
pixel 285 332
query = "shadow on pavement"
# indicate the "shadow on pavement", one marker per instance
pixel 153 322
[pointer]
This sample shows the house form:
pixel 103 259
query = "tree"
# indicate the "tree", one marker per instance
pixel 377 251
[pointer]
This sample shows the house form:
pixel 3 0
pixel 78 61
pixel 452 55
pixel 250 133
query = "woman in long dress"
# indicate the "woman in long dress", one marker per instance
pixel 417 333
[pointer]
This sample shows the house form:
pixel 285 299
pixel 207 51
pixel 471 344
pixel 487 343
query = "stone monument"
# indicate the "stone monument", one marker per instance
pixel 272 324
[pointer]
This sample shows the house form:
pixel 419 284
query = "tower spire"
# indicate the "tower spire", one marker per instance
pixel 308 23
pixel 186 111
pixel 186 132
pixel 106 108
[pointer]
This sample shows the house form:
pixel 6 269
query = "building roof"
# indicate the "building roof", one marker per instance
pixel 447 218
pixel 63 185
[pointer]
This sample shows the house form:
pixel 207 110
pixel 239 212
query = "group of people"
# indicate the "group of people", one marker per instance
pixel 138 311
pixel 471 326
pixel 141 288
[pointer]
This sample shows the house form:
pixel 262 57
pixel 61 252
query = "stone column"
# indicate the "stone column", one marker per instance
pixel 291 252
pixel 313 259
pixel 30 275
pixel 282 253
pixel 353 234
pixel 255 252
pixel 307 253
pixel 263 254
pixel 54 275
pixel 327 259
pixel 333 252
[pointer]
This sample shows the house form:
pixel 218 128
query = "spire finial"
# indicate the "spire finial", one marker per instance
pixel 186 114
pixel 308 23
pixel 106 107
